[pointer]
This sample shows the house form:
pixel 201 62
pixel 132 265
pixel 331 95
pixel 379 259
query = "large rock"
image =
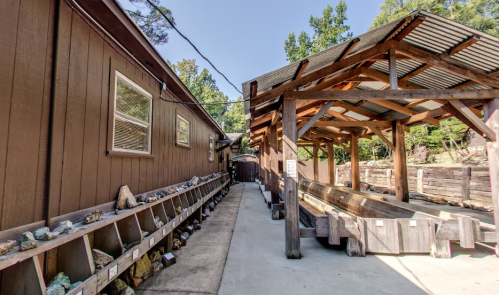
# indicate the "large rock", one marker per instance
pixel 61 280
pixel 155 256
pixel 117 286
pixel 28 241
pixel 125 199
pixel 101 259
pixel 56 290
pixel 142 267
pixel 7 246
pixel 156 266
pixel 127 291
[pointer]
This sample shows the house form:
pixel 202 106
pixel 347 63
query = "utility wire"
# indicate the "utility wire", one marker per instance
pixel 195 48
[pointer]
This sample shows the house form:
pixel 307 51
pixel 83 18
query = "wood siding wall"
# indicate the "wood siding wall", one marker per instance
pixel 82 175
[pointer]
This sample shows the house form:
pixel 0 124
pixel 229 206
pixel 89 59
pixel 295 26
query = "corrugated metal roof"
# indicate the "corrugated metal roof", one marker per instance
pixel 435 34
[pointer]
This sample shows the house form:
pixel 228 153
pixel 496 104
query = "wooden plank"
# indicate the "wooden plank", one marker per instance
pixel 330 162
pixel 316 161
pixel 392 68
pixel 307 232
pixel 461 46
pixel 328 70
pixel 301 68
pixel 486 131
pixel 349 49
pixel 25 277
pixel 491 118
pixel 466 235
pixel 290 181
pixel 465 183
pixel 383 124
pixel 373 95
pixel 76 252
pixel 440 248
pixel 274 167
pixel 382 236
pixel 447 64
pixel 456 113
pixel 266 146
pixel 400 163
pixel 334 227
pixel 314 119
pixel 382 137
pixel 108 239
pixel 415 235
pixel 403 110
pixel 360 111
pixel 354 148
pixel 411 27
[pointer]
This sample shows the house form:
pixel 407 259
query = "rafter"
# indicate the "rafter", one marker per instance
pixel 411 27
pixel 471 83
pixel 462 45
pixel 384 124
pixel 338 141
pixel 328 70
pixel 301 69
pixel 349 49
pixel 336 80
pixel 403 110
pixel 435 113
pixel 360 111
pixel 486 131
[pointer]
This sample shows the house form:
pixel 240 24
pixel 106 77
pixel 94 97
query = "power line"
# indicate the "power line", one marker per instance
pixel 195 48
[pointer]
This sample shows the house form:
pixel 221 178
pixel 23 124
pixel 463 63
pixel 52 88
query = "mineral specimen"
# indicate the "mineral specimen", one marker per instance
pixel 127 291
pixel 145 233
pixel 159 224
pixel 143 267
pixel 151 199
pixel 64 227
pixel 125 199
pixel 157 265
pixel 56 290
pixel 179 210
pixel 44 234
pixel 171 191
pixel 7 246
pixel 176 244
pixel 128 247
pixel 28 241
pixel 101 259
pixel 155 256
pixel 93 217
pixel 195 221
pixel 60 280
pixel 117 286
pixel 141 198
pixel 75 285
pixel 197 226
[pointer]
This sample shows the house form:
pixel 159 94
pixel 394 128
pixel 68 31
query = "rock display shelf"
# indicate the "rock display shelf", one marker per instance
pixel 21 272
pixel 374 224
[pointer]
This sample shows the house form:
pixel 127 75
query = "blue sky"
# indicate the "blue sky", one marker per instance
pixel 245 39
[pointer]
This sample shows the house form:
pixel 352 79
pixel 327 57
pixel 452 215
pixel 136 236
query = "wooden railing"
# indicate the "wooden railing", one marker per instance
pixel 22 272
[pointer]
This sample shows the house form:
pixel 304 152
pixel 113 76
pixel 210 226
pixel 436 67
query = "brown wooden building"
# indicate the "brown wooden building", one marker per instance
pixel 89 105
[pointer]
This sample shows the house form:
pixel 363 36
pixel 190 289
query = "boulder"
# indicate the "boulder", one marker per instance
pixel 142 267
pixel 155 256
pixel 127 291
pixel 117 286
pixel 125 198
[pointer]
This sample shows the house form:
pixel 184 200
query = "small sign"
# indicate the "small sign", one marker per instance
pixel 113 271
pixel 413 223
pixel 135 254
pixel 291 168
pixel 151 242
pixel 189 227
pixel 180 217
pixel 173 223
pixel 169 256
pixel 80 292
pixel 164 232
pixel 379 222
pixel 363 202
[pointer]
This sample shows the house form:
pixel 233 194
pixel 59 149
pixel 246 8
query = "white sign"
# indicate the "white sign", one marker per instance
pixel 363 202
pixel 135 254
pixel 164 232
pixel 379 222
pixel 80 292
pixel 151 242
pixel 181 218
pixel 169 256
pixel 189 227
pixel 413 223
pixel 113 271
pixel 291 168
pixel 173 223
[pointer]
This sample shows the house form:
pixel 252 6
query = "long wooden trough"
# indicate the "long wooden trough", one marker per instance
pixel 21 271
pixel 374 224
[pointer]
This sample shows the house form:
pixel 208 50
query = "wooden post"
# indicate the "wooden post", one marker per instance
pixel 389 178
pixel 267 161
pixel 465 184
pixel 491 118
pixel 392 67
pixel 400 162
pixel 354 148
pixel 290 174
pixel 419 181
pixel 260 158
pixel 316 161
pixel 274 167
pixel 330 162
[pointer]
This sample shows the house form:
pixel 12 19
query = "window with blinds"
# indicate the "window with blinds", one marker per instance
pixel 212 149
pixel 132 117
pixel 183 131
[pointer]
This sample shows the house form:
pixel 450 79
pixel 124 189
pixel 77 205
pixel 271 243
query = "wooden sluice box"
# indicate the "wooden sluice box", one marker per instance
pixel 375 224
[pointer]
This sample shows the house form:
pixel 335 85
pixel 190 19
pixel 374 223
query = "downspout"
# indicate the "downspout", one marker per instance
pixel 48 190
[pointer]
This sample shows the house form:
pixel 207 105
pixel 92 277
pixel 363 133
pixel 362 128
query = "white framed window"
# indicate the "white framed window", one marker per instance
pixel 183 131
pixel 132 116
pixel 212 150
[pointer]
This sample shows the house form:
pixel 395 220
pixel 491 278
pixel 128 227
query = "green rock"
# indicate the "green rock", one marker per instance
pixel 117 286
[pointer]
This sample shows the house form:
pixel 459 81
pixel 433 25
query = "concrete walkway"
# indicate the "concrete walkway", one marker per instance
pixel 201 263
pixel 256 264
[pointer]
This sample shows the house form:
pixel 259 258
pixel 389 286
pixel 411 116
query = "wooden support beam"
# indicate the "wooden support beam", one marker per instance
pixel 301 68
pixel 276 115
pixel 486 131
pixel 491 117
pixel 395 94
pixel 403 110
pixel 330 162
pixel 382 137
pixel 399 28
pixel 456 113
pixel 338 141
pixel 411 27
pixel 266 145
pixel 316 161
pixel 360 111
pixel 392 68
pixel 435 113
pixel 362 79
pixel 447 64
pixel 258 121
pixel 471 83
pixel 323 150
pixel 305 148
pixel 400 162
pixel 386 79
pixel 290 176
pixel 385 124
pixel 261 153
pixel 274 169
pixel 314 119
pixel 349 49
pixel 335 80
pixel 415 72
pixel 354 161
pixel 461 46
pixel 328 70
pixel 387 57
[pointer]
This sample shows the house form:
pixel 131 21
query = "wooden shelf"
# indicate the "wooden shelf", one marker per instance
pixel 74 252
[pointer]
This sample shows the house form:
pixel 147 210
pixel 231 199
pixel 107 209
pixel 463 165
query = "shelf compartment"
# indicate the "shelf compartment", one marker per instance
pixel 107 239
pixel 129 230
pixel 23 278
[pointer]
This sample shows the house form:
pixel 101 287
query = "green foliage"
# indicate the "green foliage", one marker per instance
pixel 481 15
pixel 330 29
pixel 153 24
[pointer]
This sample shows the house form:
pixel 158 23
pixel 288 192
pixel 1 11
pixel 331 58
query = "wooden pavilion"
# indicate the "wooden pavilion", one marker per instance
pixel 419 69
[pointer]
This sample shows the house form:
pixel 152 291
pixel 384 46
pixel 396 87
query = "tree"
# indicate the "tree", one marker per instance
pixel 330 29
pixel 152 24
pixel 481 15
